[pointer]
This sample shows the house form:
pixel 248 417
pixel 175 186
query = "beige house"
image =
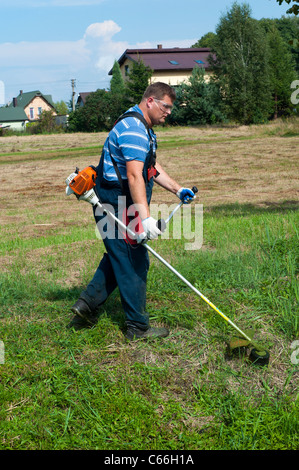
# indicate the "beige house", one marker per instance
pixel 172 66
pixel 26 107
pixel 37 105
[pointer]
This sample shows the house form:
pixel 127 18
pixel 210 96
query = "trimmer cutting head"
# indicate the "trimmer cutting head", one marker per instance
pixel 258 355
pixel 259 358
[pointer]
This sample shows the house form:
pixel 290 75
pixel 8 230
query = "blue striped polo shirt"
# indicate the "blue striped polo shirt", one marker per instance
pixel 127 141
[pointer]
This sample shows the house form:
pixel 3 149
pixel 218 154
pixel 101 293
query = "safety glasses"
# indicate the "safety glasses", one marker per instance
pixel 164 106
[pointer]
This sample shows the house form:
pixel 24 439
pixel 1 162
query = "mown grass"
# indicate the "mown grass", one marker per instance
pixel 90 389
pixel 50 154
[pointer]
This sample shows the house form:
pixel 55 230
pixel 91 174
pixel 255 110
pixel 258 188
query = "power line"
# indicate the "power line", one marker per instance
pixel 39 83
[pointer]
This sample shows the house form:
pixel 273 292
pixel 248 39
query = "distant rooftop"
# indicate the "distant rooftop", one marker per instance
pixel 168 59
pixel 9 114
pixel 23 99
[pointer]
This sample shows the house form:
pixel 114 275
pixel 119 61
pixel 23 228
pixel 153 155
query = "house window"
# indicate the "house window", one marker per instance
pixel 173 62
pixel 39 111
pixel 31 113
pixel 126 70
pixel 199 61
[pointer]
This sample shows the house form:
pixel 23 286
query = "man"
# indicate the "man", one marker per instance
pixel 128 169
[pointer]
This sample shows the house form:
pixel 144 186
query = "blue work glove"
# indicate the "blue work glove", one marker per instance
pixel 185 195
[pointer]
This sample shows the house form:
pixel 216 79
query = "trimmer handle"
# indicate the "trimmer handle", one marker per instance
pixel 161 223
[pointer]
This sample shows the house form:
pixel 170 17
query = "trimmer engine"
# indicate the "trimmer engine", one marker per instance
pixel 82 181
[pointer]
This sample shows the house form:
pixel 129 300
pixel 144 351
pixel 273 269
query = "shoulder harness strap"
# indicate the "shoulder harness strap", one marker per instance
pixel 153 155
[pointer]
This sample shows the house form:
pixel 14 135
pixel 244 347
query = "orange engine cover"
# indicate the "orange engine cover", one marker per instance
pixel 84 181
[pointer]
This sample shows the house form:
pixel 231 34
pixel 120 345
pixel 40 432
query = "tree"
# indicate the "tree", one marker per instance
pixel 117 95
pixel 206 40
pixel 240 65
pixel 93 116
pixel 282 73
pixel 117 84
pixel 45 125
pixel 139 77
pixel 288 28
pixel 294 8
pixel 198 102
pixel 61 108
pixel 99 113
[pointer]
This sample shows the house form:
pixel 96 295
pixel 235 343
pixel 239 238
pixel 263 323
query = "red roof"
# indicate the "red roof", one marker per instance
pixel 168 59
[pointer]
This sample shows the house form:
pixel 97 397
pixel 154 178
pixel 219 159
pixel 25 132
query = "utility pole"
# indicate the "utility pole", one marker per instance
pixel 73 82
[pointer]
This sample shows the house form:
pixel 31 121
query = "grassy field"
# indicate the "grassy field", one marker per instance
pixel 90 389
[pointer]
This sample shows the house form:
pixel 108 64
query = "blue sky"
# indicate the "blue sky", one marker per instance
pixel 46 43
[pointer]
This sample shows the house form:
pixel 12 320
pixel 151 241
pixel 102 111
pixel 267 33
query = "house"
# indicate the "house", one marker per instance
pixel 26 107
pixel 172 66
pixel 82 99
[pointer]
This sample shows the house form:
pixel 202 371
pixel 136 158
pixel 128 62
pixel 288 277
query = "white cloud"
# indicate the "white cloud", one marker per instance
pixel 88 59
pixel 102 46
pixel 28 54
pixel 97 48
pixel 104 30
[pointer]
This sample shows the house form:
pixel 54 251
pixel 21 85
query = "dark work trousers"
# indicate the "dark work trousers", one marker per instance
pixel 124 265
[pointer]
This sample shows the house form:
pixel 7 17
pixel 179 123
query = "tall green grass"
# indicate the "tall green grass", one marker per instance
pixel 247 259
pixel 90 389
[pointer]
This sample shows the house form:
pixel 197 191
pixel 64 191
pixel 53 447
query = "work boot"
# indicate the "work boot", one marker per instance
pixel 151 332
pixel 82 310
pixel 79 323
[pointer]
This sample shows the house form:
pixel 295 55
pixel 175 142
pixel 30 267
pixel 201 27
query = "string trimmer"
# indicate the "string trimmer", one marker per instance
pixel 81 183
